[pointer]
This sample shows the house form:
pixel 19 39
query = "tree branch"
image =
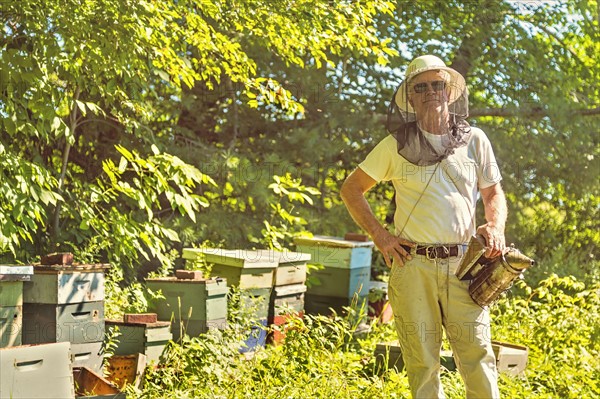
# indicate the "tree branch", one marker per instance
pixel 65 160
pixel 533 112
pixel 511 113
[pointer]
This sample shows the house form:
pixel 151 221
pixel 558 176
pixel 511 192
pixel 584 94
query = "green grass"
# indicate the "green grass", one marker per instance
pixel 325 357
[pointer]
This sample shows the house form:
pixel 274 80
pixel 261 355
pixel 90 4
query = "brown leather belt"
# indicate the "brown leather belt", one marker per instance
pixel 437 251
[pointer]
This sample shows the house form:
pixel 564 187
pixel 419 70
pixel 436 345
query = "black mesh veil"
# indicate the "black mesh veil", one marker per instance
pixel 414 142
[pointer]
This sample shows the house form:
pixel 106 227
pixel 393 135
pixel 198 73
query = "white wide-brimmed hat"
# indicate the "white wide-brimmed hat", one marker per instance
pixel 424 63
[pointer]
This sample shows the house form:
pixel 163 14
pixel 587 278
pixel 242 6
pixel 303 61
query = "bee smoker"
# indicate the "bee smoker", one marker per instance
pixel 490 277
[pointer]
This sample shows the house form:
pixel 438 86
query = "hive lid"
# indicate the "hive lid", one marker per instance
pixel 247 258
pixel 121 322
pixel 214 285
pixel 16 269
pixel 331 241
pixel 283 257
pixel 75 267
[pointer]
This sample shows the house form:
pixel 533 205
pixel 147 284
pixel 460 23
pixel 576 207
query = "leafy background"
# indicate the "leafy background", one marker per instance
pixel 131 129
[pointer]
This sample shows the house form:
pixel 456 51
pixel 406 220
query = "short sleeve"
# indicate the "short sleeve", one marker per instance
pixel 379 163
pixel 488 172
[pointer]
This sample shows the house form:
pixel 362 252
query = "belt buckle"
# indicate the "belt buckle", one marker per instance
pixel 430 252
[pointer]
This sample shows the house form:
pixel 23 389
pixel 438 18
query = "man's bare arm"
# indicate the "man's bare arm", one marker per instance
pixel 353 194
pixel 494 203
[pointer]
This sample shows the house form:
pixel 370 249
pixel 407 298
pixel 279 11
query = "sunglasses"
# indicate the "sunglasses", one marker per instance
pixel 437 85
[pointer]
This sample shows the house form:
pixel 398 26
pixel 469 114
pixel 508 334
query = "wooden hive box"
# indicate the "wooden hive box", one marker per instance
pixel 338 282
pixel 11 322
pixel 242 268
pixel 291 268
pixel 11 311
pixel 147 338
pixel 204 299
pixel 323 304
pixel 287 298
pixel 336 252
pixel 76 323
pixel 65 284
pixel 88 355
pixel 89 384
pixel 11 293
pixel 127 369
pixel 510 358
pixel 36 371
pixel 256 300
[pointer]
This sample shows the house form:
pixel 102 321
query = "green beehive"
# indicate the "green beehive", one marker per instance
pixel 11 293
pixel 336 252
pixel 194 328
pixel 323 305
pixel 337 282
pixel 65 284
pixel 11 321
pixel 256 300
pixel 242 268
pixel 202 300
pixel 147 338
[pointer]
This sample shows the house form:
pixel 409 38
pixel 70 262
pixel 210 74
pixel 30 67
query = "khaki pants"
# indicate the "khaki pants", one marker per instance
pixel 425 296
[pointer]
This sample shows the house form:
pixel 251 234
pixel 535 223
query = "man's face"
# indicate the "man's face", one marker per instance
pixel 428 93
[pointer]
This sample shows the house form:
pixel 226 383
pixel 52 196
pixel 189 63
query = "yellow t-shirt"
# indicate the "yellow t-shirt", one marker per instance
pixel 444 214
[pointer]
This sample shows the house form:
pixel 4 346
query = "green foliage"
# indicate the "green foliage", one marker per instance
pixel 558 322
pixel 86 87
pixel 289 191
pixel 121 299
pixel 331 357
pixel 26 190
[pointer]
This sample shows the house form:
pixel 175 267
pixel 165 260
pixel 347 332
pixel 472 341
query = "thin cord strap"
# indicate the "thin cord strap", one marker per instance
pixel 472 222
pixel 418 200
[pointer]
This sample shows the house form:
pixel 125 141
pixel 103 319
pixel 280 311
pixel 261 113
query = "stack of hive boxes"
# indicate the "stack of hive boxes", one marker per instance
pixel 38 371
pixel 28 371
pixel 252 271
pixel 65 303
pixel 346 272
pixel 11 303
pixel 141 333
pixel 289 287
pixel 191 303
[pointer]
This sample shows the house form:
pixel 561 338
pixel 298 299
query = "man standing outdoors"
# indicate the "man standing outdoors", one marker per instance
pixel 437 164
